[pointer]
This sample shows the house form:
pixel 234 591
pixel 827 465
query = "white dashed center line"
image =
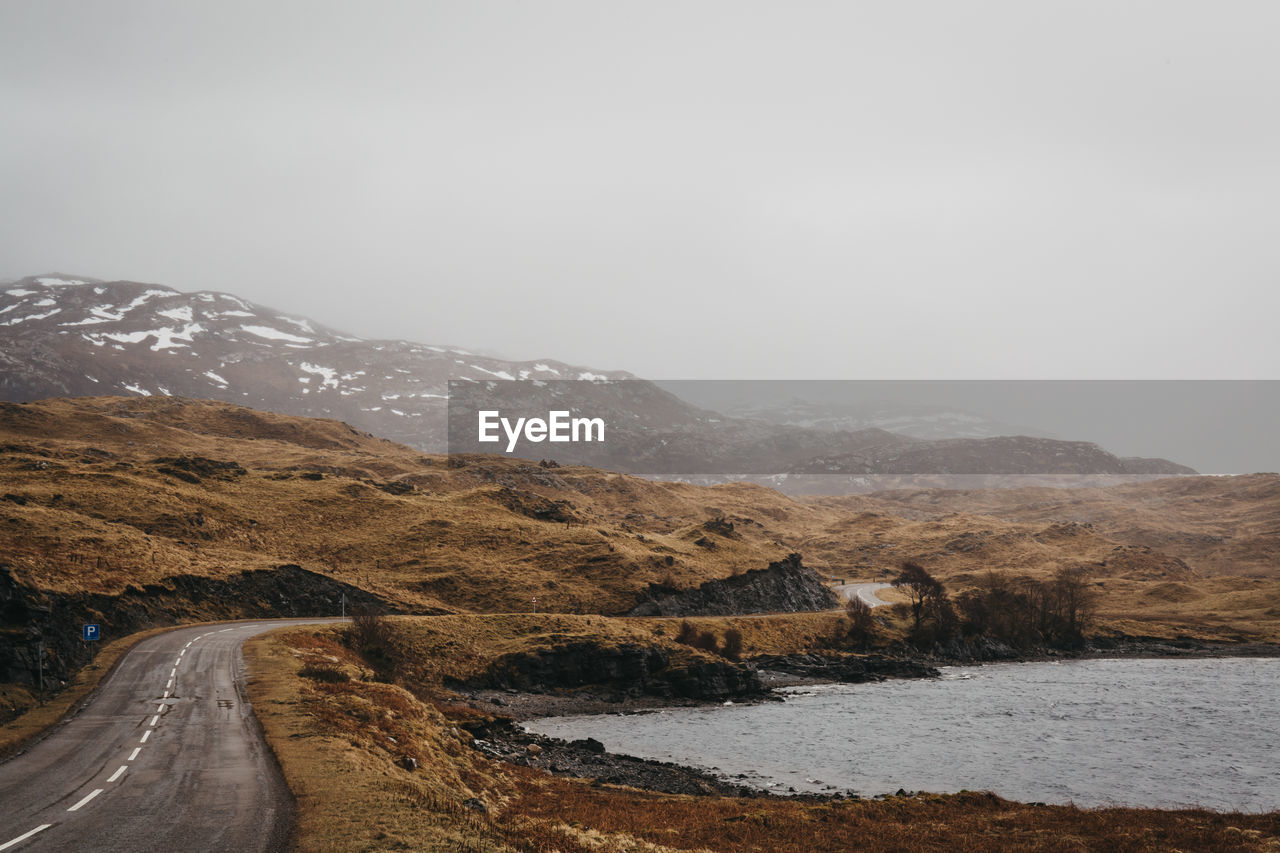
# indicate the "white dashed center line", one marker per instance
pixel 160 708
pixel 24 836
pixel 95 792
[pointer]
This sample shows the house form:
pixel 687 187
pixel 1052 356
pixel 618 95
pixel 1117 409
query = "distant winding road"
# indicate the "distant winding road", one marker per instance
pixel 864 591
pixel 166 755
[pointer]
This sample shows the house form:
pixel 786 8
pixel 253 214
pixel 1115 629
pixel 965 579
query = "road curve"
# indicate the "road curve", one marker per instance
pixel 166 755
pixel 864 591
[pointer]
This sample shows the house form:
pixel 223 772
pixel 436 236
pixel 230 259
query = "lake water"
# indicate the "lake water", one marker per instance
pixel 1161 733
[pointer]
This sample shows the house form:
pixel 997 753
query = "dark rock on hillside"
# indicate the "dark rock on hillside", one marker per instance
pixel 849 669
pixel 29 617
pixel 192 468
pixel 786 586
pixel 626 670
pixel 535 506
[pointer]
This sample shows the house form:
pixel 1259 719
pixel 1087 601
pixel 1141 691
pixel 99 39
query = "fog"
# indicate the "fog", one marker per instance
pixel 695 190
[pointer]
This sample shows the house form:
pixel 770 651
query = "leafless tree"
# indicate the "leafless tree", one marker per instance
pixel 921 586
pixel 862 623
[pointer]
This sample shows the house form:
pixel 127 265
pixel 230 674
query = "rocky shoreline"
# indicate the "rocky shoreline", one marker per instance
pixel 498 734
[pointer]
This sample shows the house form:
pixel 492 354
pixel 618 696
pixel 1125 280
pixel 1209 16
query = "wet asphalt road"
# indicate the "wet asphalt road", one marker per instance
pixel 167 755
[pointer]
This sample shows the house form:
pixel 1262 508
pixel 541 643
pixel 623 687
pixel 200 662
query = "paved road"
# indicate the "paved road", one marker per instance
pixel 864 591
pixel 166 756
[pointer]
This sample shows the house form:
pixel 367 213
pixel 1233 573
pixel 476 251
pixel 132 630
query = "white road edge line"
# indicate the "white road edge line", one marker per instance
pixel 118 773
pixel 95 792
pixel 24 836
pixel 145 735
pixel 135 752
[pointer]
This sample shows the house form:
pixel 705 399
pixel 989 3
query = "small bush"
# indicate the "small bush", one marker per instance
pixel 321 672
pixel 707 641
pixel 862 625
pixel 732 644
pixel 369 628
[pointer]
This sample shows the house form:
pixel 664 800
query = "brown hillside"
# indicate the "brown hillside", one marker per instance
pixel 1217 525
pixel 104 493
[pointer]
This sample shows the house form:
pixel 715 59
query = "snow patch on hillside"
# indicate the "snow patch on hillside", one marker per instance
pixel 330 375
pixel 271 334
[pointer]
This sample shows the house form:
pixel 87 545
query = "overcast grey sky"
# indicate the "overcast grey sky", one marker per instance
pixel 693 189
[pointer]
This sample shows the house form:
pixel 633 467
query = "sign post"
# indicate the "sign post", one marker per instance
pixel 91 634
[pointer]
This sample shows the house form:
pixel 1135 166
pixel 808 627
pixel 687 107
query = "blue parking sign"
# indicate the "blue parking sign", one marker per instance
pixel 92 632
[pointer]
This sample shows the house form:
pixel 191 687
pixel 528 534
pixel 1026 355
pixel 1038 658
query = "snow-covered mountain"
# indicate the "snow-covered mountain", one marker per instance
pixel 75 336
pixel 62 336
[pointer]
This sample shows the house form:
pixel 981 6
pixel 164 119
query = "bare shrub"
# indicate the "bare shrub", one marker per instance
pixel 369 627
pixel 862 622
pixel 707 641
pixel 732 644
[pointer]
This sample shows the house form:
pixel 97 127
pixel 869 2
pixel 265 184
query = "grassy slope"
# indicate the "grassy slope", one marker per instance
pixel 91 510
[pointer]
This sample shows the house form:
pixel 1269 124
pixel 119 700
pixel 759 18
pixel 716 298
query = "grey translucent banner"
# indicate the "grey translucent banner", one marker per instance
pixel 882 433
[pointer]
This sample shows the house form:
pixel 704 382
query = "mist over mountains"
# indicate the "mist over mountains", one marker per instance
pixel 75 336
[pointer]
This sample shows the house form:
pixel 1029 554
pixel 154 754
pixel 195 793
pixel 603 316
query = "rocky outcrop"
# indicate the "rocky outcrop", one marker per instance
pixel 623 671
pixel 786 586
pixel 32 620
pixel 850 669
pixel 587 759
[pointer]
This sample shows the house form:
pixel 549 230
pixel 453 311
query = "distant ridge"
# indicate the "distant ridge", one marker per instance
pixel 74 336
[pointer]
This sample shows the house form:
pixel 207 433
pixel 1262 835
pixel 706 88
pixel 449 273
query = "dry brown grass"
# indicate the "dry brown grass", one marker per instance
pixel 1218 525
pixel 960 822
pixel 333 742
pixel 92 511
